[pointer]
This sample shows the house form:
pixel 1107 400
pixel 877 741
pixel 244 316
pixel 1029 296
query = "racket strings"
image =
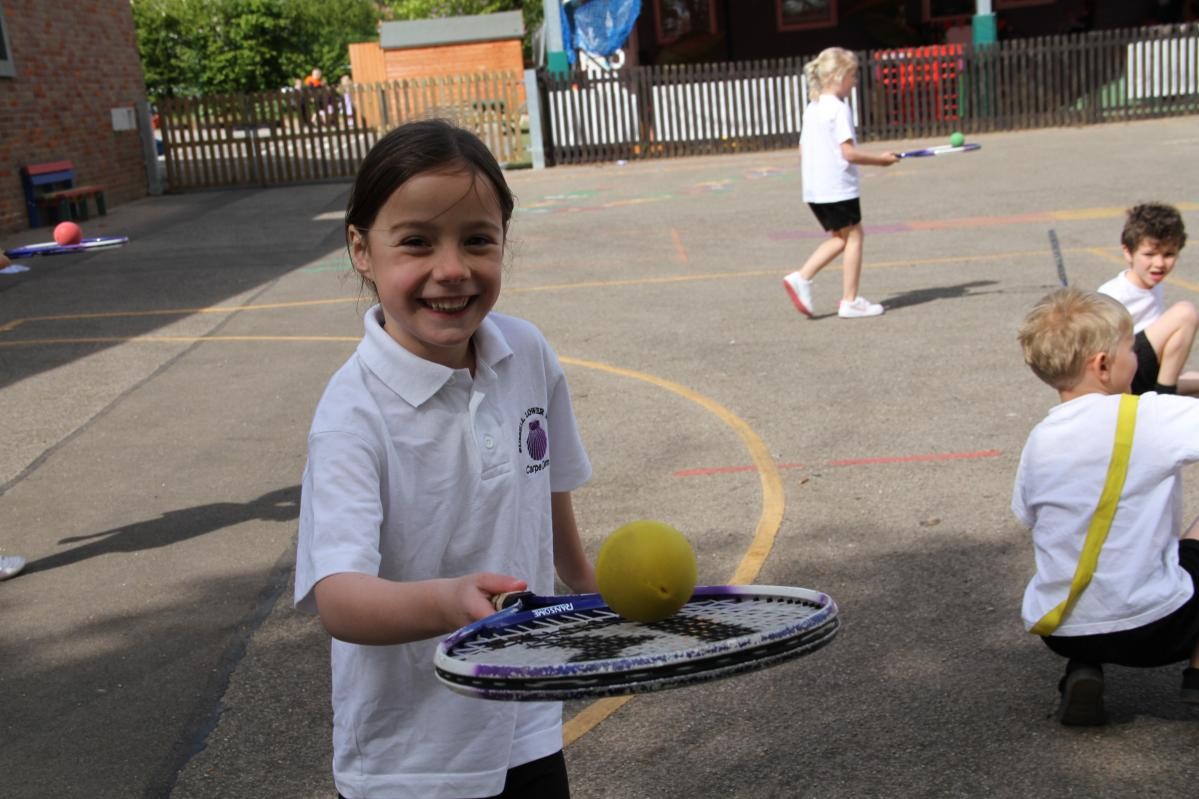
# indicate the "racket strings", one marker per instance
pixel 601 634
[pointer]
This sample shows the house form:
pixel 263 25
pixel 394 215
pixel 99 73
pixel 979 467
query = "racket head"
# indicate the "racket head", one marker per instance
pixel 576 647
pixel 54 248
pixel 943 150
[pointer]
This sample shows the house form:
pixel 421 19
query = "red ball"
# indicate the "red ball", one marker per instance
pixel 67 233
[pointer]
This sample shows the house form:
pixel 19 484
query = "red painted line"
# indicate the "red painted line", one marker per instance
pixel 935 456
pixel 940 456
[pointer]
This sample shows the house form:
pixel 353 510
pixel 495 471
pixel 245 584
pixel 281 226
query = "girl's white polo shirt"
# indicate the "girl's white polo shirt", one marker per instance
pixel 418 471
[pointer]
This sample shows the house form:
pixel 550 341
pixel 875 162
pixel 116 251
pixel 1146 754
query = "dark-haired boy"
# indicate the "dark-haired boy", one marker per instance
pixel 1153 236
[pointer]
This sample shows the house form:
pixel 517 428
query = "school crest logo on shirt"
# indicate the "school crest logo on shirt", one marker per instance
pixel 533 440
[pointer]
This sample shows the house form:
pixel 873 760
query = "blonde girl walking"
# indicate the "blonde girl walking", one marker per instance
pixel 829 159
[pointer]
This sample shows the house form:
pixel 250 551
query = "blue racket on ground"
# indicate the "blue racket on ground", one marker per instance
pixel 575 647
pixel 943 150
pixel 53 248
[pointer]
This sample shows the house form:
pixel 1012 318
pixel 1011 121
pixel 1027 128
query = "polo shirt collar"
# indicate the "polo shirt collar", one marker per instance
pixel 413 378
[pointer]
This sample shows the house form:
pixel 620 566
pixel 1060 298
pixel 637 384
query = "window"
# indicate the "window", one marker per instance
pixel 797 15
pixel 948 9
pixel 679 19
pixel 7 68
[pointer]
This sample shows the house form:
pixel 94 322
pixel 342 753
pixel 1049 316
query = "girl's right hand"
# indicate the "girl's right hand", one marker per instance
pixel 472 594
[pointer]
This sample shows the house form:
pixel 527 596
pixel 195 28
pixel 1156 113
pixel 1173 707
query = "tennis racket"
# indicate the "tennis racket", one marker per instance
pixel 1057 256
pixel 575 647
pixel 943 150
pixel 53 248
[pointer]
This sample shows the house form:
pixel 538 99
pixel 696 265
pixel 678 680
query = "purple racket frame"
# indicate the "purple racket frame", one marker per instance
pixel 947 149
pixel 740 628
pixel 54 248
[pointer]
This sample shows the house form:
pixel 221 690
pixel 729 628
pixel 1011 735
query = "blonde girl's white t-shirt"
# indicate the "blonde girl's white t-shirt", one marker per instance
pixel 1144 305
pixel 827 176
pixel 418 471
pixel 1062 471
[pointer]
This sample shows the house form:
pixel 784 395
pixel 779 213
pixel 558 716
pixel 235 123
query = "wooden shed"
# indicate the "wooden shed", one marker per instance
pixel 448 64
pixel 433 47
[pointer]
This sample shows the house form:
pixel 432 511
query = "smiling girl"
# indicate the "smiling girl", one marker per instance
pixel 418 504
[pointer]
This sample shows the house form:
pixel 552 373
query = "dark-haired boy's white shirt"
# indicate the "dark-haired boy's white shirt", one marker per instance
pixel 464 493
pixel 1144 305
pixel 1062 471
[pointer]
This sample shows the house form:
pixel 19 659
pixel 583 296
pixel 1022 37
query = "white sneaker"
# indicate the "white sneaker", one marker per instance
pixel 800 291
pixel 10 566
pixel 859 308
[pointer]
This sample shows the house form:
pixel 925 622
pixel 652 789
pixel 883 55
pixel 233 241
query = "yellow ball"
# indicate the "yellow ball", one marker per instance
pixel 646 570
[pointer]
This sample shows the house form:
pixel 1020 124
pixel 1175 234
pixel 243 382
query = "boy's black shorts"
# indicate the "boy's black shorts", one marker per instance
pixel 838 215
pixel 1147 366
pixel 1158 643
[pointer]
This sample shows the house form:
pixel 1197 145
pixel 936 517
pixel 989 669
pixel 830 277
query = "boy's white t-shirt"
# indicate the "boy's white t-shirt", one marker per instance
pixel 1062 471
pixel 417 471
pixel 827 176
pixel 1144 305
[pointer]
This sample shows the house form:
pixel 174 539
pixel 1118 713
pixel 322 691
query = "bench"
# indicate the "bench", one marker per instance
pixel 52 196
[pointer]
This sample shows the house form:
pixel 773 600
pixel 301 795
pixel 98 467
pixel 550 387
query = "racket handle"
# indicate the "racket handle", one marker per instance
pixel 507 600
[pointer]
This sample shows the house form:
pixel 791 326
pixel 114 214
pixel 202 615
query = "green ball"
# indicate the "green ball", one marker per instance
pixel 956 139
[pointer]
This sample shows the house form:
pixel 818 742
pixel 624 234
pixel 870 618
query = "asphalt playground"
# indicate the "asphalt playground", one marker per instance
pixel 154 403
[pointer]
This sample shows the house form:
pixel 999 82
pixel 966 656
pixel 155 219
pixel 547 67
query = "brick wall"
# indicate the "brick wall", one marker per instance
pixel 73 67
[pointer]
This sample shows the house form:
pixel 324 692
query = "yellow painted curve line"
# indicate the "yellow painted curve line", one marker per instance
pixel 769 520
pixel 588 284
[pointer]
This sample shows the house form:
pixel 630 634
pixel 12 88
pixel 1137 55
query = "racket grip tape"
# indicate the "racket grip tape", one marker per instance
pixel 508 599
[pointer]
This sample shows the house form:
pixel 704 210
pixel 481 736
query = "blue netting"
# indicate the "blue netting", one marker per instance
pixel 599 27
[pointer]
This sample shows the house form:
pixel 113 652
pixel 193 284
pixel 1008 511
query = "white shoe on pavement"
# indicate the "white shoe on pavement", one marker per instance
pixel 800 291
pixel 10 566
pixel 859 309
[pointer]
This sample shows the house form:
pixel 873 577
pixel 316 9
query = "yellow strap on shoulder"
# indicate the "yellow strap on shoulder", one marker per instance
pixel 1101 522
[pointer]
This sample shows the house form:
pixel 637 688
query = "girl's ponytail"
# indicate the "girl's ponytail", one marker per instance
pixel 831 65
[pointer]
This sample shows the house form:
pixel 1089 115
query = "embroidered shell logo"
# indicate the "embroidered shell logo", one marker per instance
pixel 537 441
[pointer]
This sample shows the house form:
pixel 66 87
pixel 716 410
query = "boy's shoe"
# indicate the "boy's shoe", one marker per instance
pixel 1082 697
pixel 800 291
pixel 859 308
pixel 1190 686
pixel 10 566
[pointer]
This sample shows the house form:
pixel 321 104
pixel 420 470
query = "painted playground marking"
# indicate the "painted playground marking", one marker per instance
pixel 773 496
pixel 680 253
pixel 769 520
pixel 875 461
pixel 1069 215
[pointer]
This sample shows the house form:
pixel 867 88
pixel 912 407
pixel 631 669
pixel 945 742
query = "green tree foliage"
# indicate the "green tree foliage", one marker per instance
pixel 192 47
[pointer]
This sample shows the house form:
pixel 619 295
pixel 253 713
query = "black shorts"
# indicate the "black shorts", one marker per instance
pixel 838 215
pixel 1158 643
pixel 1147 366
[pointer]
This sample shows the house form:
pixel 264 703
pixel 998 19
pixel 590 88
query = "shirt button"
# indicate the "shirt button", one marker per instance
pixel 488 442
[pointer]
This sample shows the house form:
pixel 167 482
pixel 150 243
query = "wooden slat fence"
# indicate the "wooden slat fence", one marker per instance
pixel 646 112
pixel 275 138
